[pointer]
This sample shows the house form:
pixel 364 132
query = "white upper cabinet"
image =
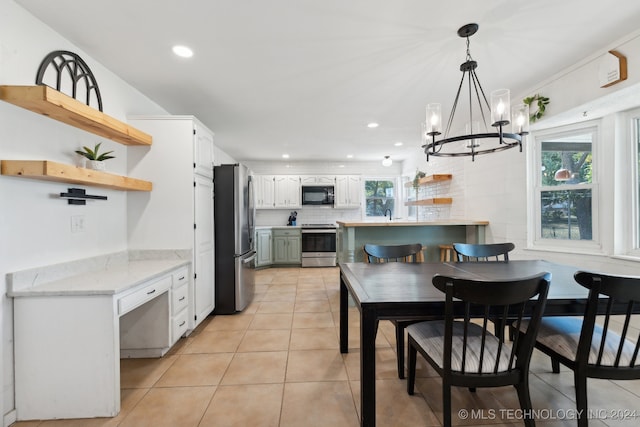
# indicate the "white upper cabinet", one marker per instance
pixel 265 191
pixel 287 191
pixel 203 151
pixel 348 191
pixel 317 180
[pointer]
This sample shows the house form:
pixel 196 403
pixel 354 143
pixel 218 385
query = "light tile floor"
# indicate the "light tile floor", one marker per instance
pixel 278 364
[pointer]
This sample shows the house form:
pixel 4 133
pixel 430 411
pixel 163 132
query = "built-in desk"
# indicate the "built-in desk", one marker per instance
pixel 353 235
pixel 69 332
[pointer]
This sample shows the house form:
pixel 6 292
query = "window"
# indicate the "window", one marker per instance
pixel 565 189
pixel 380 195
pixel 635 196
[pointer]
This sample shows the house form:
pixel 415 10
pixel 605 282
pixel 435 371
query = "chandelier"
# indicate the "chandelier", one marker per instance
pixel 477 138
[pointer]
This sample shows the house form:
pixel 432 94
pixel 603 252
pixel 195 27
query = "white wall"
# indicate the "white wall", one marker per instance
pixel 35 223
pixel 494 187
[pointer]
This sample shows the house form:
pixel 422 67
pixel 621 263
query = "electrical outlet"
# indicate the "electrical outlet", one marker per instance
pixel 77 223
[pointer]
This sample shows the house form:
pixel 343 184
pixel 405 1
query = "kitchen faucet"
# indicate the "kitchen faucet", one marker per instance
pixel 385 213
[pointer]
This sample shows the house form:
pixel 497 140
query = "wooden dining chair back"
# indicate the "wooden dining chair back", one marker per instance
pixel 393 253
pixel 597 345
pixel 483 252
pixel 465 352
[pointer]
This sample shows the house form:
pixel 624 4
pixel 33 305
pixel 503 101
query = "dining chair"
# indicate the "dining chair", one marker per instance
pixel 592 346
pixel 464 352
pixel 468 252
pixel 483 252
pixel 396 253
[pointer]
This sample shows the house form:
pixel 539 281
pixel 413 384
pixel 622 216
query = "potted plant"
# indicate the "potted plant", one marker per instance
pixel 95 158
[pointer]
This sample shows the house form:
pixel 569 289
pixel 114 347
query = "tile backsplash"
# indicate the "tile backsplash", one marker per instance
pixel 307 215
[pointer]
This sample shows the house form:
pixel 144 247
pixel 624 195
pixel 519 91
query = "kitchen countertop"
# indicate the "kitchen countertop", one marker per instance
pixel 408 223
pixel 109 279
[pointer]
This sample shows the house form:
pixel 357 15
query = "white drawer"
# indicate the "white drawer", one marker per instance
pixel 179 325
pixel 180 298
pixel 147 293
pixel 180 277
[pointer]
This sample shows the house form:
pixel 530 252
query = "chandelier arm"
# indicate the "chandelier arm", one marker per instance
pixel 453 108
pixel 477 85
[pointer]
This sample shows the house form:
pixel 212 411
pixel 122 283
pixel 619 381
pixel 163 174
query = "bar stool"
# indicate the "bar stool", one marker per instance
pixel 446 253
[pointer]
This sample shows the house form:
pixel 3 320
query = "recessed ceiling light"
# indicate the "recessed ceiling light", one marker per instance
pixel 285 156
pixel 349 156
pixel 183 51
pixel 398 144
pixel 372 125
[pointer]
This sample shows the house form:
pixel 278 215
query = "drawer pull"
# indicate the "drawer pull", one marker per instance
pixel 181 278
pixel 151 291
pixel 182 299
pixel 182 324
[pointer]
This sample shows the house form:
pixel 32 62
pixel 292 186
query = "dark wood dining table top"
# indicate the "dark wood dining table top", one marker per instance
pixel 405 290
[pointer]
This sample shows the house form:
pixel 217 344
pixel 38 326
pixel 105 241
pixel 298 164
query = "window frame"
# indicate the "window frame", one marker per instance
pixel 627 235
pixel 535 189
pixel 396 197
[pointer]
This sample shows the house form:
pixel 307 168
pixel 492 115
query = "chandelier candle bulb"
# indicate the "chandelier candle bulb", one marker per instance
pixel 434 119
pixel 500 107
pixel 520 119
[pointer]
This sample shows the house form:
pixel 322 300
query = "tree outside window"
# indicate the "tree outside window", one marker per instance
pixel 566 187
pixel 380 196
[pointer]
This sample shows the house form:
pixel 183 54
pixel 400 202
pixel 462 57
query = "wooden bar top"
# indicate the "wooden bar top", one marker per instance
pixel 409 223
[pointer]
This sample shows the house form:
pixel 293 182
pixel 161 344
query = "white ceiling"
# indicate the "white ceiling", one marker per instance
pixel 305 77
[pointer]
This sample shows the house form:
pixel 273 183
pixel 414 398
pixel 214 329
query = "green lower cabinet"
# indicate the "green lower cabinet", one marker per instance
pixel 264 248
pixel 286 246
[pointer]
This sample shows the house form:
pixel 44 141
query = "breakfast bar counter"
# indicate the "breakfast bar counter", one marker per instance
pixel 352 235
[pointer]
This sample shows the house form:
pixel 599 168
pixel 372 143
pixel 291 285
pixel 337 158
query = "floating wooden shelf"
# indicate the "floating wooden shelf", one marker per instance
pixel 51 171
pixel 429 179
pixel 429 202
pixel 51 103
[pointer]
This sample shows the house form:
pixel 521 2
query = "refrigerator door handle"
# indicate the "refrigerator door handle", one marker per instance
pixel 251 258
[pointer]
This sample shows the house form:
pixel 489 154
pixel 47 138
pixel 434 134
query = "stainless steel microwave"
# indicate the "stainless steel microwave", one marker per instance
pixel 319 195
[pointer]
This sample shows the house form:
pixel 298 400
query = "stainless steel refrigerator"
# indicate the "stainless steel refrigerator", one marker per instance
pixel 234 217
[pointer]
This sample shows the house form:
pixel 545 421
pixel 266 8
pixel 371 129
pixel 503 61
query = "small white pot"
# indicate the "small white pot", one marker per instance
pixel 95 165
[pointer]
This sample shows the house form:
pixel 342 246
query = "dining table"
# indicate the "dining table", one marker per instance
pixel 398 291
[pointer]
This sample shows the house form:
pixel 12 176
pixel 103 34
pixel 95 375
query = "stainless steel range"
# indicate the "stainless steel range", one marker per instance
pixel 318 245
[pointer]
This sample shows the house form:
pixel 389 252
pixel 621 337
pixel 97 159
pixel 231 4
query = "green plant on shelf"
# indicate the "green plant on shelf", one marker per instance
pixel 94 154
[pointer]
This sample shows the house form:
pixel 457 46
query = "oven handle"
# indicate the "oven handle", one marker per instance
pixel 317 231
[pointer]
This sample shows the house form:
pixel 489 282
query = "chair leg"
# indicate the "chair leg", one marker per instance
pixel 411 368
pixel 446 403
pixel 525 400
pixel 581 398
pixel 400 348
pixel 555 366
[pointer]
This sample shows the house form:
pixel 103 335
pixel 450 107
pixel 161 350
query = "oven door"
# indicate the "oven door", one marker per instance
pixel 318 248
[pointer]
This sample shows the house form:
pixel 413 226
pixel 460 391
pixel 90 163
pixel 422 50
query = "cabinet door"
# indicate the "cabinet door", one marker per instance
pixel 355 191
pixel 202 151
pixel 203 284
pixel 348 191
pixel 294 256
pixel 263 247
pixel 342 191
pixel 265 195
pixel 280 249
pixel 287 191
pixel 325 180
